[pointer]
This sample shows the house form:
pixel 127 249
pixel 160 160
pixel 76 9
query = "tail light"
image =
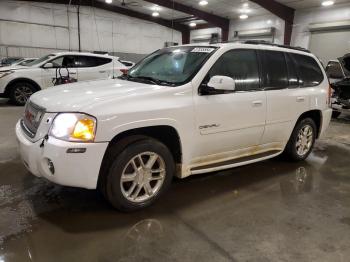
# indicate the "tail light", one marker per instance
pixel 124 71
pixel 329 94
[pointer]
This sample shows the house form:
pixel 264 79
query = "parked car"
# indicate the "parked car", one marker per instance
pixel 7 61
pixel 19 84
pixel 181 111
pixel 22 63
pixel 338 72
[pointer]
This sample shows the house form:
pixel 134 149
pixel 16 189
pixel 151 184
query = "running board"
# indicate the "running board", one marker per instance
pixel 235 162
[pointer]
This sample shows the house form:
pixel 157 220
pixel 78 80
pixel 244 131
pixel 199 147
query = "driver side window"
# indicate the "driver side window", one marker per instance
pixel 241 65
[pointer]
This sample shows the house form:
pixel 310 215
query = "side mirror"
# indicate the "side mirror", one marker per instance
pixel 223 83
pixel 48 65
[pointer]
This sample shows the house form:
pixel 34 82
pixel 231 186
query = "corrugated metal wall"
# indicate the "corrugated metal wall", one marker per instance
pixel 34 29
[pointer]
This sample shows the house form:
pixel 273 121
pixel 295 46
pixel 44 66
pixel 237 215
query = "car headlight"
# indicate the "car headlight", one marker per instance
pixel 5 73
pixel 74 127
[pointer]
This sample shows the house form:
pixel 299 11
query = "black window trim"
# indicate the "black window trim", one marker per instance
pixel 218 92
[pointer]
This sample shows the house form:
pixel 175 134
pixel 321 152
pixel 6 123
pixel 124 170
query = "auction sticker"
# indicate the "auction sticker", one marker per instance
pixel 202 50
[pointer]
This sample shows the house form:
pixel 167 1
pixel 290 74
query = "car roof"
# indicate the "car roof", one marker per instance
pixel 83 53
pixel 257 45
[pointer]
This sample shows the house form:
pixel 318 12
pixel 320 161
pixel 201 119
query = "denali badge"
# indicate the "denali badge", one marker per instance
pixel 208 126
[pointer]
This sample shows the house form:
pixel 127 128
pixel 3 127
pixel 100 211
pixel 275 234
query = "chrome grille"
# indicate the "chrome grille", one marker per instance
pixel 32 118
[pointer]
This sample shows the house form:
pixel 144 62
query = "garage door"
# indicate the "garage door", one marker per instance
pixel 330 45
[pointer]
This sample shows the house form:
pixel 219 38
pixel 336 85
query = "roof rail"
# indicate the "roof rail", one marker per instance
pixel 262 42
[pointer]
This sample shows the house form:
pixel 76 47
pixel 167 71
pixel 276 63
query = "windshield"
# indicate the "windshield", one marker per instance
pixel 170 66
pixel 40 60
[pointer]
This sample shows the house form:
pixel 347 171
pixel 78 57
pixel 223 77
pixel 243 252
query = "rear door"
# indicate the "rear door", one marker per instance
pixel 289 81
pixel 93 67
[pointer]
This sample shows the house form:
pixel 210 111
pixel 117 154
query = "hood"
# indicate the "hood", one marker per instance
pixel 77 96
pixel 8 68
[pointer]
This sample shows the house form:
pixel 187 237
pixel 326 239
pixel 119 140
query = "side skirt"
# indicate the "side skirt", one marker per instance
pixel 245 160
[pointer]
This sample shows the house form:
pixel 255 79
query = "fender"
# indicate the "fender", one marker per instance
pixel 20 79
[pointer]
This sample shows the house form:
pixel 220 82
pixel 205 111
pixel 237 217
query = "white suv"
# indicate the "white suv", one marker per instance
pixel 181 111
pixel 20 83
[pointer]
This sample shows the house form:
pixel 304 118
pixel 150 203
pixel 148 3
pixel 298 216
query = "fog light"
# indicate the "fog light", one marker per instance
pixel 51 166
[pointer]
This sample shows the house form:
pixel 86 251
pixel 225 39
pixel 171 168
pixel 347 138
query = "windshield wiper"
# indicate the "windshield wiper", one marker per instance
pixel 147 79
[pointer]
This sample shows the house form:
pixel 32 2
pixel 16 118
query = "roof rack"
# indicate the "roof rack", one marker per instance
pixel 262 42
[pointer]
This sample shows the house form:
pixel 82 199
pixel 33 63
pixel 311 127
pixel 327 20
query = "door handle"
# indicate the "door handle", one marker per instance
pixel 300 99
pixel 73 73
pixel 102 71
pixel 257 103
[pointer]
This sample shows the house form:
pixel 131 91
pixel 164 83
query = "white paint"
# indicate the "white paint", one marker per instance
pixel 240 127
pixel 303 18
pixel 39 28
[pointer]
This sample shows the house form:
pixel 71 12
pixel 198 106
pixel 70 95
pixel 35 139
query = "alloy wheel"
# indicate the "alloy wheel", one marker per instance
pixel 143 177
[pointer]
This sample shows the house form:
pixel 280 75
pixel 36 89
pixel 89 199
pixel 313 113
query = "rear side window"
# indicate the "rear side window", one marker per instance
pixel 90 61
pixel 309 71
pixel 274 70
pixel 241 65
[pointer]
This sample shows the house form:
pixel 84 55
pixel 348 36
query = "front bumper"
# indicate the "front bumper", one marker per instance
pixel 71 169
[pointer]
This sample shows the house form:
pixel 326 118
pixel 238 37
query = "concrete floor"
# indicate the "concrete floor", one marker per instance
pixel 270 211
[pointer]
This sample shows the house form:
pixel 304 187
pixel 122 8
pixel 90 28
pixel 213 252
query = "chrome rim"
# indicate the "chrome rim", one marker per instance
pixel 142 177
pixel 304 140
pixel 22 94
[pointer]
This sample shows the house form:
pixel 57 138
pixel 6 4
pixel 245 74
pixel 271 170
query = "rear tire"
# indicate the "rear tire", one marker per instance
pixel 20 92
pixel 302 140
pixel 132 182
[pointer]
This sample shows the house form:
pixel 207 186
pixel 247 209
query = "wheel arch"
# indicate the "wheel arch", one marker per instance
pixel 21 79
pixel 316 116
pixel 166 134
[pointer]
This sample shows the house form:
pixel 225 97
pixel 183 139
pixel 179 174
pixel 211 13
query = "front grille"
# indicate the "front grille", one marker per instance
pixel 32 118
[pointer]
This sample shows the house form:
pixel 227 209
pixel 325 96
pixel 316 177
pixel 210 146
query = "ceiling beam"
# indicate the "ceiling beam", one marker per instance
pixel 282 11
pixel 212 19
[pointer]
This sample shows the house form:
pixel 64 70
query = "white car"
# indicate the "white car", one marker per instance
pixel 181 111
pixel 19 83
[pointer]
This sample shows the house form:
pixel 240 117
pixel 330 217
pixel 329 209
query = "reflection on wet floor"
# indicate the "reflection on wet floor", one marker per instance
pixel 271 210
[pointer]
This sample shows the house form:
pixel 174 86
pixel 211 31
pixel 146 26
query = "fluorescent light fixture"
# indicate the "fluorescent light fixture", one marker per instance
pixel 327 3
pixel 203 3
pixel 109 1
pixel 244 10
pixel 244 16
pixel 193 24
pixel 155 14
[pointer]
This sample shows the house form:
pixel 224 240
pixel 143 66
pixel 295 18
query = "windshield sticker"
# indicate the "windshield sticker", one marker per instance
pixel 202 50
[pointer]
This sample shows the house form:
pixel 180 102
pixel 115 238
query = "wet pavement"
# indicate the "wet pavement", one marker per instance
pixel 269 211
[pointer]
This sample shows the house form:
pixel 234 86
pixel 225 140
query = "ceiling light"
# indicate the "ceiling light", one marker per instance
pixel 245 5
pixel 244 16
pixel 327 3
pixel 109 1
pixel 193 24
pixel 155 8
pixel 155 14
pixel 203 2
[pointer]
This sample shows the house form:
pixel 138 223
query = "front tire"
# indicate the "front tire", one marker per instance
pixel 302 140
pixel 20 93
pixel 139 175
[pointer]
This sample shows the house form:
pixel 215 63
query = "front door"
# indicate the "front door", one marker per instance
pixel 64 64
pixel 231 121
